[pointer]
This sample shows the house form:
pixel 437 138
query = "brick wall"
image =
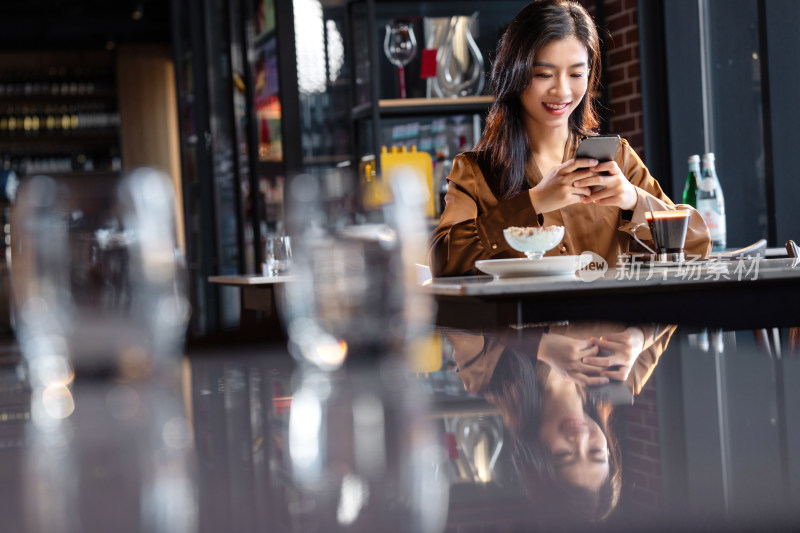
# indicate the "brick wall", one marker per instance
pixel 641 455
pixel 623 78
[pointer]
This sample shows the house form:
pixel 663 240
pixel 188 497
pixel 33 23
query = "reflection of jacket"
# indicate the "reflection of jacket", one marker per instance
pixel 477 354
pixel 471 227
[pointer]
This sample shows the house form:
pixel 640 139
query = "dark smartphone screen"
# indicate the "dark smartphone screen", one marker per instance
pixel 601 147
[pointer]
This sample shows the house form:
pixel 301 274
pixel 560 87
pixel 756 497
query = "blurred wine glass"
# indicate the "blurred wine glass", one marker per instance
pixel 100 313
pixel 97 277
pixel 400 46
pixel 362 451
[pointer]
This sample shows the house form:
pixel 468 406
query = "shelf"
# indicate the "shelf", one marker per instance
pixel 57 144
pixel 325 159
pixel 58 99
pixel 98 173
pixel 424 106
pixel 88 135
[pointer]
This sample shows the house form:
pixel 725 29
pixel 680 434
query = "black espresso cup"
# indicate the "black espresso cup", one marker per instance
pixel 668 229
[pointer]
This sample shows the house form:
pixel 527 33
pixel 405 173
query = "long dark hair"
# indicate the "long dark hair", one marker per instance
pixel 505 140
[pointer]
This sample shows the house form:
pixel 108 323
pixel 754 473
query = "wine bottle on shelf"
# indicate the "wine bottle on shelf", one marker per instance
pixel 711 204
pixel 692 181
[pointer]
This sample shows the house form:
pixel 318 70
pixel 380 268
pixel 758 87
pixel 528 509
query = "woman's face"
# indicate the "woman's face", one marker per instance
pixel 578 449
pixel 559 82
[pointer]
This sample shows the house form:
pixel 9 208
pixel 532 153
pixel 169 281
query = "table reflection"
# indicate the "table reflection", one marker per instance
pixel 497 436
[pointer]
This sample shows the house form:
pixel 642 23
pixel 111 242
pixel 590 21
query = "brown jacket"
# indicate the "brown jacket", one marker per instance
pixel 471 227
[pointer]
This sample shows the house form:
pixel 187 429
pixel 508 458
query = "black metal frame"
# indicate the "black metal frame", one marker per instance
pixel 603 109
pixel 202 264
pixel 231 12
pixel 766 106
pixel 655 104
pixel 288 89
pixel 248 48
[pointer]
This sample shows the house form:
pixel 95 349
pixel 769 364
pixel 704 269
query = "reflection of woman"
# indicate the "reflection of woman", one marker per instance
pixel 562 444
pixel 523 171
pixel 562 447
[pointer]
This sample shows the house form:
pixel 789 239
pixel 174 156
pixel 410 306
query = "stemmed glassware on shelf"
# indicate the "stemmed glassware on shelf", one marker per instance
pixel 400 46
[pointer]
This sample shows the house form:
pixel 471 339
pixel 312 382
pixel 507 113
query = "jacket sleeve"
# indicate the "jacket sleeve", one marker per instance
pixel 698 238
pixel 468 232
pixel 656 340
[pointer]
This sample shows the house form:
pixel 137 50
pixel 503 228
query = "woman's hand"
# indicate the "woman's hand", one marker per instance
pixel 566 356
pixel 618 190
pixel 557 189
pixel 622 348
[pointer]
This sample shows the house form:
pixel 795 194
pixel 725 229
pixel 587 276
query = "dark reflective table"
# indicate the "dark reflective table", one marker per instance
pixel 733 294
pixel 504 429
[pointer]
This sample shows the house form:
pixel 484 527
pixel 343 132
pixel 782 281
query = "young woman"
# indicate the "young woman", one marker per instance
pixel 561 445
pixel 523 171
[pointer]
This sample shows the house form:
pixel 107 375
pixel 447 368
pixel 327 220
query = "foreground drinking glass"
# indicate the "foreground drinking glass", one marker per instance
pixel 97 277
pixel 362 453
pixel 100 317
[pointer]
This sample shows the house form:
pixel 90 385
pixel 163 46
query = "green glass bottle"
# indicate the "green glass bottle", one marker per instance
pixel 692 181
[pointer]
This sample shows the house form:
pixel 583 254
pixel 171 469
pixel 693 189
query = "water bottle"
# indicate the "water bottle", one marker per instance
pixel 711 204
pixel 692 181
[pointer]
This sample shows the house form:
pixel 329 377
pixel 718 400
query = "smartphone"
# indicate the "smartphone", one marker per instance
pixel 614 393
pixel 601 147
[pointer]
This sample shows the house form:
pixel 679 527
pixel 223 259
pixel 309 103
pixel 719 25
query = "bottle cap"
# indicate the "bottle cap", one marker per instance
pixel 694 159
pixel 708 157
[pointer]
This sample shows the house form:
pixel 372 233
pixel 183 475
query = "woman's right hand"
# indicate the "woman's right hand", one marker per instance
pixel 566 356
pixel 622 349
pixel 556 190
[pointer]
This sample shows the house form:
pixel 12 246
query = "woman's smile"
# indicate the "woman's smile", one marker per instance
pixel 556 109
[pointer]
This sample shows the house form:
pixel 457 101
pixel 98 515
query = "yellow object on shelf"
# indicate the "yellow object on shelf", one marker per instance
pixel 399 160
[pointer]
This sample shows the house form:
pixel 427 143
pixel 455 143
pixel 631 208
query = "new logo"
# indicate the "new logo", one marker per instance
pixel 592 266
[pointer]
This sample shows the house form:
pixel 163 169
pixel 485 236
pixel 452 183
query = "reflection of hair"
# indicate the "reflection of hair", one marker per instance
pixel 515 391
pixel 505 139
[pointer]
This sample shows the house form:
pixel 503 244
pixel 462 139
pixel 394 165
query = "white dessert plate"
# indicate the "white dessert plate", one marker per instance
pixel 515 268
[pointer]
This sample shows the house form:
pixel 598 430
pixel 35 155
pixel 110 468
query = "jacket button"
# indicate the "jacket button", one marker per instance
pixel 494 246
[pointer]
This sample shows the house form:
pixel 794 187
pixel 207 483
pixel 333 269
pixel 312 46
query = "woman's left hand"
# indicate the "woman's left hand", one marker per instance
pixel 618 190
pixel 619 350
